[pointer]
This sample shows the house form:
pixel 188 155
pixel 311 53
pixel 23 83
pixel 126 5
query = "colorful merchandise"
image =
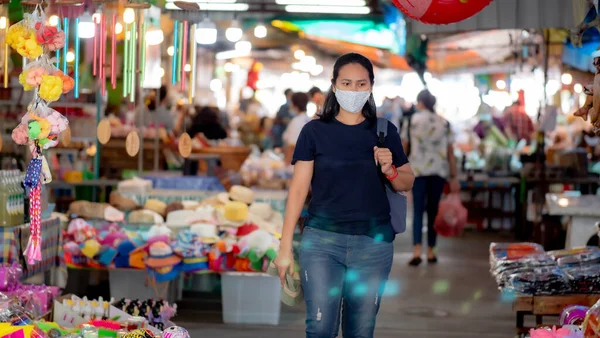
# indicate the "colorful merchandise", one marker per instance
pixel 175 332
pixel 573 315
pixel 441 12
pixel 157 312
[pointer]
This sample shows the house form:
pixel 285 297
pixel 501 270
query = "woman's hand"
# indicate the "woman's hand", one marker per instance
pixel 284 263
pixel 383 157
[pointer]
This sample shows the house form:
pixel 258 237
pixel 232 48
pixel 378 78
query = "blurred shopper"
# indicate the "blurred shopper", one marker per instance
pixel 391 109
pixel 317 97
pixel 346 251
pixel 518 124
pixel 428 140
pixel 204 122
pixel 158 116
pixel 282 119
pixel 291 134
pixel 487 120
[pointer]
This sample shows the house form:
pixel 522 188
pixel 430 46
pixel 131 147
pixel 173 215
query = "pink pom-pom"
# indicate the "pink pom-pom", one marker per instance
pixel 34 76
pixel 19 134
pixel 57 42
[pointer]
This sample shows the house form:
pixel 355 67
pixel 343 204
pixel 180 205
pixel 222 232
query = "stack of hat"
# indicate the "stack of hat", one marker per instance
pixel 157 206
pixel 163 262
pixel 193 251
pixel 267 218
pixel 145 217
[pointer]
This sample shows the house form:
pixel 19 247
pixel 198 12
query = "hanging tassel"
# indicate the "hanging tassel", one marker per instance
pixel 33 182
pixel 76 65
pixel 95 55
pixel 184 53
pixel 102 61
pixel 113 53
pixel 175 51
pixel 66 47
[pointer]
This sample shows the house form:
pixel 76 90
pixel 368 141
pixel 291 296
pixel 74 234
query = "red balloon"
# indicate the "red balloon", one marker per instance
pixel 441 12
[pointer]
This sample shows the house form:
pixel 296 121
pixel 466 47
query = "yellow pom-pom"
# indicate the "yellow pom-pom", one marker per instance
pixel 22 78
pixel 51 88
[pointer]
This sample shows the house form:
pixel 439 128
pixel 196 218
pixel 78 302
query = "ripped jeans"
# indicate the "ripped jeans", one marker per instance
pixel 342 274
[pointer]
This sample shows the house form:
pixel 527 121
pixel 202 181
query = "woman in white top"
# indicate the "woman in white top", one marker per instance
pixel 427 138
pixel 297 109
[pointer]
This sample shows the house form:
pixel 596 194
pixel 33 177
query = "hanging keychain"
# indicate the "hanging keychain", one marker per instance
pixel 33 184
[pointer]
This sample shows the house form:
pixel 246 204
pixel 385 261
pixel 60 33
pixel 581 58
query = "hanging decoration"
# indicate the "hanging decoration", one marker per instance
pixel 39 129
pixel 441 12
pixel 4 47
pixel 185 48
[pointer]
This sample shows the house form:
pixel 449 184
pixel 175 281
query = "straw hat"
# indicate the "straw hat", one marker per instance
pixel 206 232
pixel 237 193
pixel 145 217
pixel 161 256
pixel 157 206
pixel 232 214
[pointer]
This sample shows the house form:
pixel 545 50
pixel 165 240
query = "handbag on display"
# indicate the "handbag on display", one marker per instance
pixel 397 200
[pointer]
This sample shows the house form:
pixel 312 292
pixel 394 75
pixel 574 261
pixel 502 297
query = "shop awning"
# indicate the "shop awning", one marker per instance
pixel 508 14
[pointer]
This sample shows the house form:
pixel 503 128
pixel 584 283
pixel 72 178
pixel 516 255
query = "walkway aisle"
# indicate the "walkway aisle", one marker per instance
pixel 455 299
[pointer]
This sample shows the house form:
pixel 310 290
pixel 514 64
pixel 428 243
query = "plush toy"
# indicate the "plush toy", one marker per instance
pixel 257 247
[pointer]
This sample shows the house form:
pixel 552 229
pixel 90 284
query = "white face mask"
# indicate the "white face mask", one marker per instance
pixel 351 101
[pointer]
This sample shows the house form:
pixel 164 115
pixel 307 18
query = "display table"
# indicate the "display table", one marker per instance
pixel 232 158
pixel 584 212
pixel 179 182
pixel 14 241
pixel 546 306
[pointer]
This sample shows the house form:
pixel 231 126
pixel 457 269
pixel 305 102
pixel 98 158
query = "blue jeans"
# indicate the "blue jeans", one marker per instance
pixel 427 192
pixel 342 271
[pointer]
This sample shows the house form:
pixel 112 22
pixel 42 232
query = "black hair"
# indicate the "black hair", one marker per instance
pixel 300 101
pixel 287 92
pixel 427 100
pixel 205 115
pixel 331 107
pixel 162 93
pixel 313 91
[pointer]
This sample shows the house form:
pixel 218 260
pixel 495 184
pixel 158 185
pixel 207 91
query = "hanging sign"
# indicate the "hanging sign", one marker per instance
pixel 185 145
pixel 132 144
pixel 104 131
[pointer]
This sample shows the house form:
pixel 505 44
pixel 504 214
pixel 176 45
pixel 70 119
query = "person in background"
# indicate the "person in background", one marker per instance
pixel 348 231
pixel 317 97
pixel 427 137
pixel 282 119
pixel 205 122
pixel 291 134
pixel 486 121
pixel 391 109
pixel 266 132
pixel 518 124
pixel 159 116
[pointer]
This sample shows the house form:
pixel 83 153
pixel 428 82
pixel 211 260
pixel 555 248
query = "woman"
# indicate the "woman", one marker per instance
pixel 346 251
pixel 297 108
pixel 428 140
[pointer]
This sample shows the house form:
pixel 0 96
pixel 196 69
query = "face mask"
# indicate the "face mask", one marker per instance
pixel 352 101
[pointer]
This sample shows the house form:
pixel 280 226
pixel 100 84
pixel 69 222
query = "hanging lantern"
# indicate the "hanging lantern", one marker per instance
pixel 441 12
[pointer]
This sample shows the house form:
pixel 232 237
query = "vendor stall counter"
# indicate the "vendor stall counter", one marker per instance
pixel 584 212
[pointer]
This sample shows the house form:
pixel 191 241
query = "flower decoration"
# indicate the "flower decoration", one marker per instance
pixel 51 88
pixel 22 80
pixel 19 134
pixel 34 76
pixel 68 82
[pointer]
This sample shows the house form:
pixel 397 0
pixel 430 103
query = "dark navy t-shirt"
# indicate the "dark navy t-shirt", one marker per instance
pixel 347 194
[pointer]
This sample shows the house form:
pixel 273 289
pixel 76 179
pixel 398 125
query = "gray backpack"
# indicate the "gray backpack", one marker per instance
pixel 398 202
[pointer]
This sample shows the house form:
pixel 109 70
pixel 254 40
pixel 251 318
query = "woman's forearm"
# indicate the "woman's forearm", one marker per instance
pixel 293 209
pixel 403 182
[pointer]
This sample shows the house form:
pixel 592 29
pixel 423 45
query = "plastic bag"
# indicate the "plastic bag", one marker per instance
pixel 584 279
pixel 451 217
pixel 591 325
pixel 512 251
pixel 583 259
pixel 22 36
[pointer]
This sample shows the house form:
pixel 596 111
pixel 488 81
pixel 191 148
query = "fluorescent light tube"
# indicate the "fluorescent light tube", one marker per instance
pixel 225 7
pixel 327 9
pixel 355 3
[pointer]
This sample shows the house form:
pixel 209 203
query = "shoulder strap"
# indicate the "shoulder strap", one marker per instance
pixel 382 128
pixel 408 141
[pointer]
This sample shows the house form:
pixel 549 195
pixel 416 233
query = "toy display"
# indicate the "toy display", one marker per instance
pixel 157 312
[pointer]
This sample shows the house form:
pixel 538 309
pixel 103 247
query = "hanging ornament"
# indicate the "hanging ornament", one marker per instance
pixel 441 12
pixel 103 131
pixel 185 145
pixel 132 144
pixel 41 126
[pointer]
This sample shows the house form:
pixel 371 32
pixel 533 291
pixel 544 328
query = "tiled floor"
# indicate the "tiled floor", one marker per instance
pixel 456 298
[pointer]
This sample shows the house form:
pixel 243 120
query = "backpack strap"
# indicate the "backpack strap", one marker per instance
pixel 382 128
pixel 408 141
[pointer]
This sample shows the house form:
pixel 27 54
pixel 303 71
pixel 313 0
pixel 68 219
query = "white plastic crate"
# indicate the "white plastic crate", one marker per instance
pixel 250 298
